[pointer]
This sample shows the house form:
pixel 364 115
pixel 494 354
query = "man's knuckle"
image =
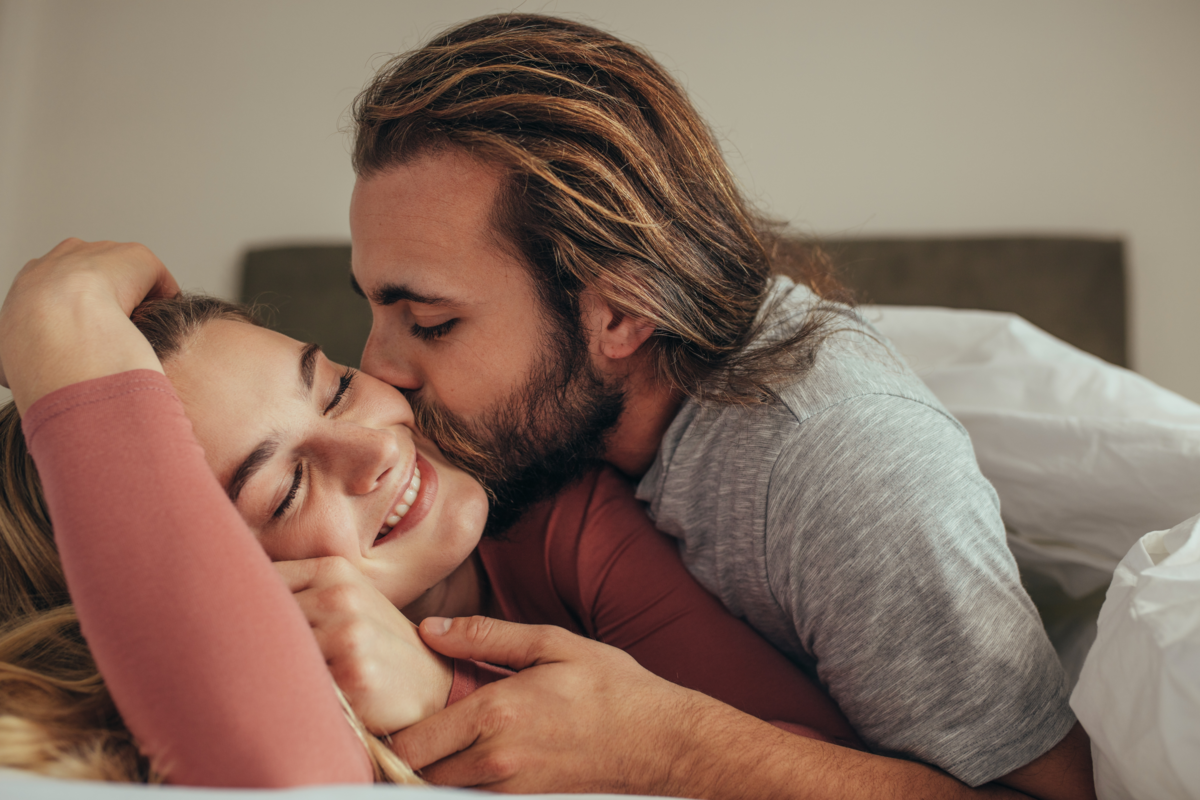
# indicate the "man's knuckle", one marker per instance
pixel 498 765
pixel 496 716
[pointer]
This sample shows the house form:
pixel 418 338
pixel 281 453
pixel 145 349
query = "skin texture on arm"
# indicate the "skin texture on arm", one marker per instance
pixel 1062 773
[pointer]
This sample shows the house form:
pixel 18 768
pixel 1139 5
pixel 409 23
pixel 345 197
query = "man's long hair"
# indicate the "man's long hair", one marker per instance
pixel 614 184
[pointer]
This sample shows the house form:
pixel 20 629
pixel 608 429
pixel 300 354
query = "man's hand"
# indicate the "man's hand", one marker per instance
pixel 580 716
pixel 66 317
pixel 374 653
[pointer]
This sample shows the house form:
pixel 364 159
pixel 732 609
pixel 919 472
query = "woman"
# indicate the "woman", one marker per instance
pixel 201 648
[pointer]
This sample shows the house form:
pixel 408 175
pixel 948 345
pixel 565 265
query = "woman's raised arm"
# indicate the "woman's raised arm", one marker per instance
pixel 204 651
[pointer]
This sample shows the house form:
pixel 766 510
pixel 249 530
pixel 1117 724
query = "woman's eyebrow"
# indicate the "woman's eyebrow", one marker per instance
pixel 308 366
pixel 250 465
pixel 260 455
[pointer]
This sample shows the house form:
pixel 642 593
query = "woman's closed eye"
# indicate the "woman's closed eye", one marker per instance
pixel 344 388
pixel 297 477
pixel 344 385
pixel 431 332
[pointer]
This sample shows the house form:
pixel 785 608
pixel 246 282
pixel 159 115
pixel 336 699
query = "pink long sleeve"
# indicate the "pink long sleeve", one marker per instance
pixel 208 657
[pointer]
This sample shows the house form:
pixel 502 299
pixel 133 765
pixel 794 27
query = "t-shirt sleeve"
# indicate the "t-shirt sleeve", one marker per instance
pixel 635 594
pixel 205 652
pixel 885 546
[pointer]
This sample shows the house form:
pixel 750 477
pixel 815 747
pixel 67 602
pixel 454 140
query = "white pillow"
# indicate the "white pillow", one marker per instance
pixel 1085 456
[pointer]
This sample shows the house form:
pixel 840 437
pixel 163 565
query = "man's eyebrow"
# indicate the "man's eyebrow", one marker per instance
pixel 252 464
pixel 388 293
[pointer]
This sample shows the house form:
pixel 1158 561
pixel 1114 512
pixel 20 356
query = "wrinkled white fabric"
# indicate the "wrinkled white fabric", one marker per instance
pixel 1139 694
pixel 1085 456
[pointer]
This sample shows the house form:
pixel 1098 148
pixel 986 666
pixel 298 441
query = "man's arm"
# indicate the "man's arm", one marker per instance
pixel 1064 771
pixel 584 717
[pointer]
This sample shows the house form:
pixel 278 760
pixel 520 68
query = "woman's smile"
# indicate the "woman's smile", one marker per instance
pixel 413 503
pixel 322 461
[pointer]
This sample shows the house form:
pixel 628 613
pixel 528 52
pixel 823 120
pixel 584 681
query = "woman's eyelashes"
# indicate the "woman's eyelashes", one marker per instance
pixel 432 332
pixel 344 384
pixel 297 477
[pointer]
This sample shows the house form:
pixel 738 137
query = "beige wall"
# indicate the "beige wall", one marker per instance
pixel 202 127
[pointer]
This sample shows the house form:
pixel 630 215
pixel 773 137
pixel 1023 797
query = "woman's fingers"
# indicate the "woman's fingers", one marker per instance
pixel 373 651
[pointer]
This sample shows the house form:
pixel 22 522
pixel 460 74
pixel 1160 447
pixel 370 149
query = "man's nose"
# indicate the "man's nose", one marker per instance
pixel 388 357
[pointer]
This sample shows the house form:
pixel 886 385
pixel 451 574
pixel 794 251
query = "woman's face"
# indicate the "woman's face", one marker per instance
pixel 323 461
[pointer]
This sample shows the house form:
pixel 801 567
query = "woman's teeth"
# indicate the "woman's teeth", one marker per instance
pixel 410 497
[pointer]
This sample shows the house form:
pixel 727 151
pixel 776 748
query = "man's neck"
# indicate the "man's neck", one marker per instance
pixel 649 409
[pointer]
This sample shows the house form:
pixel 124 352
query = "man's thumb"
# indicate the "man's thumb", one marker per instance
pixel 508 644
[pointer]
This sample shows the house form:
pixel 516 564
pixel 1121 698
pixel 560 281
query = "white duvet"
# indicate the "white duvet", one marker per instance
pixel 1086 458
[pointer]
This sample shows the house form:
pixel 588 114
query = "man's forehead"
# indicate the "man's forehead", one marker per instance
pixel 448 183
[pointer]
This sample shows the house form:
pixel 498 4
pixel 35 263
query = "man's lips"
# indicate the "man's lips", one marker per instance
pixel 419 507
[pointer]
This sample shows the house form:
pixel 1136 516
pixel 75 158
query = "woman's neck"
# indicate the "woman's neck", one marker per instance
pixel 464 593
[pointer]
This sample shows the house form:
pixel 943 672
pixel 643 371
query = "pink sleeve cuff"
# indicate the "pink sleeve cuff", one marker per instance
pixel 470 675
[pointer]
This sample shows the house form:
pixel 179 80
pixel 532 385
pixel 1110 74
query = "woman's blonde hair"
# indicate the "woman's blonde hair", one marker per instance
pixel 56 715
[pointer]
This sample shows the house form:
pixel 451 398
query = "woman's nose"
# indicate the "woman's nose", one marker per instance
pixel 364 455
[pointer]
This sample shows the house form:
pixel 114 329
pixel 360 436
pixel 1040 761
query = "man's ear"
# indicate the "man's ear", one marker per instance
pixel 612 334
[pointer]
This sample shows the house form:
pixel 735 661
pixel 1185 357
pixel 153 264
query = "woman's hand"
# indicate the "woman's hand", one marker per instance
pixel 390 676
pixel 66 317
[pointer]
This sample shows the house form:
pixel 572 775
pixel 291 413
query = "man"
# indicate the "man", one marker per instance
pixel 561 267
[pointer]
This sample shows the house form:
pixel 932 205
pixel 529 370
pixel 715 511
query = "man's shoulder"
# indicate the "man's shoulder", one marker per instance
pixel 853 360
pixel 855 369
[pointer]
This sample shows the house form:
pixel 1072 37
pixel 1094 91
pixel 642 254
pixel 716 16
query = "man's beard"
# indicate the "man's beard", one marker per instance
pixel 537 440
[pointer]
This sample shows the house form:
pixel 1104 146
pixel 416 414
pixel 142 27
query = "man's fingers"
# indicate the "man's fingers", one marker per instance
pixel 478 768
pixel 439 737
pixel 498 642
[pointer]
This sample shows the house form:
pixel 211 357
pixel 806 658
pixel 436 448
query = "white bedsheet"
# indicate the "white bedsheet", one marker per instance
pixel 1139 694
pixel 15 786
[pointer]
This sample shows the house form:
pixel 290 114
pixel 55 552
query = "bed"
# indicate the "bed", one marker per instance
pixel 1087 458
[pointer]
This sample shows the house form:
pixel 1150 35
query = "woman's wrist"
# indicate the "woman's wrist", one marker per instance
pixel 70 340
pixel 66 317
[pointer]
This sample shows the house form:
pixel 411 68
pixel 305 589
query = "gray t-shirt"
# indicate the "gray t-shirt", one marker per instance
pixel 849 523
